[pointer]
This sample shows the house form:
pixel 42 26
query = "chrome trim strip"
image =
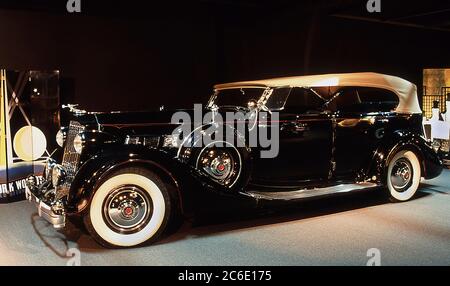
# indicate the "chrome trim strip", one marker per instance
pixel 308 193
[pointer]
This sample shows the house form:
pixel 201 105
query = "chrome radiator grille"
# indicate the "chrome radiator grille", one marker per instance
pixel 70 158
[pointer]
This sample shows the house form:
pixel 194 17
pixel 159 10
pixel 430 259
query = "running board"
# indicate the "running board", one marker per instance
pixel 308 193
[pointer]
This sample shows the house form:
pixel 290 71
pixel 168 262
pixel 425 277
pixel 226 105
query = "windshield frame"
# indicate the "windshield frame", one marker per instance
pixel 266 93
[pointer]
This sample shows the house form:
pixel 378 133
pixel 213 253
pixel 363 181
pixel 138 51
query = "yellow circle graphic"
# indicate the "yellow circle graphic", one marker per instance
pixel 30 143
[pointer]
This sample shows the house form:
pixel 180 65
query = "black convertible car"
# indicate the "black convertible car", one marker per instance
pixel 129 174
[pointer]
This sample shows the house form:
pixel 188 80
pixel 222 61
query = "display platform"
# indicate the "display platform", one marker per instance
pixel 335 231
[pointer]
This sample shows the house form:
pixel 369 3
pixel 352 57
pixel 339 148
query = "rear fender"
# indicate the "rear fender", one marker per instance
pixel 431 165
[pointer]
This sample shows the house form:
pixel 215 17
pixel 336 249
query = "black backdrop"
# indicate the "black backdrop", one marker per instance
pixel 127 56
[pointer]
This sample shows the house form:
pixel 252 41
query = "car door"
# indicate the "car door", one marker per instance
pixel 305 143
pixel 361 116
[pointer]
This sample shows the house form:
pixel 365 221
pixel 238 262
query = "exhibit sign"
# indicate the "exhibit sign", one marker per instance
pixel 29 119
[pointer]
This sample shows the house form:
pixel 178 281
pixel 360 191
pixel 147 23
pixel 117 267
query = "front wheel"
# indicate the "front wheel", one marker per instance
pixel 130 207
pixel 403 176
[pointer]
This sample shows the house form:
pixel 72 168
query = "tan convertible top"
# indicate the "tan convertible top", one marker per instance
pixel 405 90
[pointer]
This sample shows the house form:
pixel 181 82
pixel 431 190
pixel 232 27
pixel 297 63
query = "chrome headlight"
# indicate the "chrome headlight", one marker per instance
pixel 78 143
pixel 60 138
pixel 58 175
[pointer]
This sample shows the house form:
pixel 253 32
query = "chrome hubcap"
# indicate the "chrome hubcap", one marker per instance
pixel 220 165
pixel 127 209
pixel 401 175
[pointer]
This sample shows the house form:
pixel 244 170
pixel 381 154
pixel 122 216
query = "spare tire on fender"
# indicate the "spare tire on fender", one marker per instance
pixel 225 165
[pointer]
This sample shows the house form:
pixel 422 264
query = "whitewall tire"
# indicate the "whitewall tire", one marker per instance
pixel 129 208
pixel 403 176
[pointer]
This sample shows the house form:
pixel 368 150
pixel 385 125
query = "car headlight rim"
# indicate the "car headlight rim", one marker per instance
pixel 57 176
pixel 78 143
pixel 60 138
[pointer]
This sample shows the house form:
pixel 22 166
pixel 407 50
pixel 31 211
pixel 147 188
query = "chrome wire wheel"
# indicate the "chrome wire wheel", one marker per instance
pixel 127 209
pixel 401 175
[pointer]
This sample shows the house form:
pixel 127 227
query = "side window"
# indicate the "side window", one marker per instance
pixel 364 99
pixel 376 99
pixel 346 99
pixel 304 100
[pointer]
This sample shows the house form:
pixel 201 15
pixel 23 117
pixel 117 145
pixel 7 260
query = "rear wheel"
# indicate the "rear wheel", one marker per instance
pixel 130 207
pixel 403 176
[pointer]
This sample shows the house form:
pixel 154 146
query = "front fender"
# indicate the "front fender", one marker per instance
pixel 94 170
pixel 431 165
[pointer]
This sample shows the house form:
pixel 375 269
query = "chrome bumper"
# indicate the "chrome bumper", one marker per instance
pixel 44 209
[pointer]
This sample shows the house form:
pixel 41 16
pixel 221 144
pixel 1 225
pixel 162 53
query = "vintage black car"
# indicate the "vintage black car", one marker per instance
pixel 128 174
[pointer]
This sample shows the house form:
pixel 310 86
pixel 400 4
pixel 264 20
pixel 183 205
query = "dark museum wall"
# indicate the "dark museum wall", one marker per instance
pixel 174 56
pixel 114 63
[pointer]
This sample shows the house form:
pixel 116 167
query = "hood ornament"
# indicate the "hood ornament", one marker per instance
pixel 74 108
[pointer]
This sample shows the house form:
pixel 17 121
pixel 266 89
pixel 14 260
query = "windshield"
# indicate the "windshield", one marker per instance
pixel 236 96
pixel 274 98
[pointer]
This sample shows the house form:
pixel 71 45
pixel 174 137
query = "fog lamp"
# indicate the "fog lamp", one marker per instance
pixel 58 175
pixel 436 145
pixel 49 165
pixel 31 182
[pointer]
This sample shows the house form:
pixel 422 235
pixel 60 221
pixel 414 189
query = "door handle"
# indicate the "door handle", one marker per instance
pixel 300 127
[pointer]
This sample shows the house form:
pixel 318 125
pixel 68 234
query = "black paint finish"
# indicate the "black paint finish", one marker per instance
pixel 317 149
